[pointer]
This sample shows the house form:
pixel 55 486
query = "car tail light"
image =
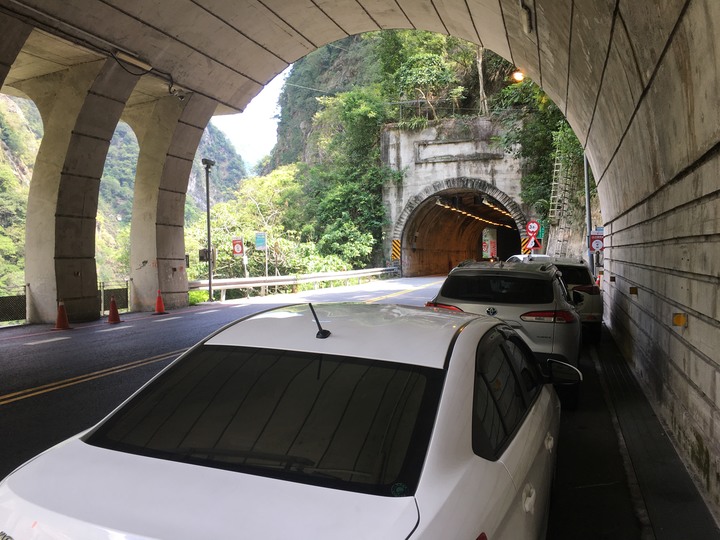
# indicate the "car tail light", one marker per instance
pixel 444 306
pixel 549 316
pixel 587 289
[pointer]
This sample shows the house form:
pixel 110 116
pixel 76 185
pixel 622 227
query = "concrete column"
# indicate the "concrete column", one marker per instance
pixel 14 33
pixel 154 124
pixel 170 225
pixel 59 97
pixel 75 223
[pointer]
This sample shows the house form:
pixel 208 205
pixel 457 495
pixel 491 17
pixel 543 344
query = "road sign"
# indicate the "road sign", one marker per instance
pixel 238 247
pixel 533 244
pixel 597 242
pixel 261 241
pixel 532 228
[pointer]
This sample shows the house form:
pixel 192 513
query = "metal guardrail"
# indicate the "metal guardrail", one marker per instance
pixel 270 281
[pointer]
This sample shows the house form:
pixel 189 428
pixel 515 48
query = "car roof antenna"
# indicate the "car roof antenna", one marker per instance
pixel 322 333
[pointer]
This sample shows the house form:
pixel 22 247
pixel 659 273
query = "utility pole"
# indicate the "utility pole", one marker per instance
pixel 208 163
pixel 588 216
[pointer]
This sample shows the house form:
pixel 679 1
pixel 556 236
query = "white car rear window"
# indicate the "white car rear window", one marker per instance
pixel 347 423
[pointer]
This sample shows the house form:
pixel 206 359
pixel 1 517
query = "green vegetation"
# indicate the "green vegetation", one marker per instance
pixel 272 204
pixel 538 133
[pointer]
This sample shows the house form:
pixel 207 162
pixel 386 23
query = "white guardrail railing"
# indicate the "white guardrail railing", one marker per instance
pixel 246 283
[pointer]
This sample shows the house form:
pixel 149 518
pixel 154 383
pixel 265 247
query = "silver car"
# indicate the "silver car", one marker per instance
pixel 530 297
pixel 580 282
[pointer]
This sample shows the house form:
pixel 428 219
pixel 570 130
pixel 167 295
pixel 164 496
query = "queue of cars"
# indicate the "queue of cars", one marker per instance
pixel 336 420
pixel 327 421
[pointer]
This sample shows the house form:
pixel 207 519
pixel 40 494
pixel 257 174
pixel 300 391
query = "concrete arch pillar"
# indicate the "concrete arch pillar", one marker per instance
pixel 75 217
pixel 154 124
pixel 169 133
pixel 80 108
pixel 59 97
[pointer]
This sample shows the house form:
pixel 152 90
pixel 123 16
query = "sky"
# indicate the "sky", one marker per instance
pixel 253 132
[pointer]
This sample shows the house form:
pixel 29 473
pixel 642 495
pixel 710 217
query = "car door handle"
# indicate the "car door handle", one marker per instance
pixel 529 499
pixel 549 442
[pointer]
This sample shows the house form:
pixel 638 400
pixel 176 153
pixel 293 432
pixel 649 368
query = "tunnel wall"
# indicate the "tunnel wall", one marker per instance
pixel 659 191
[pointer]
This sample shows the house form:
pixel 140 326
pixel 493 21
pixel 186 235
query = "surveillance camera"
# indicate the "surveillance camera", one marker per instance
pixel 208 162
pixel 181 97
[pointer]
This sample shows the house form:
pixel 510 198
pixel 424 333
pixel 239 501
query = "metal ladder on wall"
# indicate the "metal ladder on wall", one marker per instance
pixel 557 210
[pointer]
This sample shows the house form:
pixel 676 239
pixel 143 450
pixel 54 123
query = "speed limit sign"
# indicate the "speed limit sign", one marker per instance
pixel 532 228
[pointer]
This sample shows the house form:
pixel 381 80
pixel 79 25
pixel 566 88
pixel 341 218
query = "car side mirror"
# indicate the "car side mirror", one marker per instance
pixel 562 373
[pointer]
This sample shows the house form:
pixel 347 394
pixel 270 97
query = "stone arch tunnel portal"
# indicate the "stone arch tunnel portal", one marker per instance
pixel 437 230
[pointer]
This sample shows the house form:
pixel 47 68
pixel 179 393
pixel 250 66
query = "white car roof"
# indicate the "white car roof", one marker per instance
pixel 404 334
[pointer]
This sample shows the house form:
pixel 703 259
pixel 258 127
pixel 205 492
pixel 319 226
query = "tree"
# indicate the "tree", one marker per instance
pixel 426 76
pixel 531 118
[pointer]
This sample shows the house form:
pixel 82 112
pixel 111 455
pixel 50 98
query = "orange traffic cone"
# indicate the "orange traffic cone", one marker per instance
pixel 114 316
pixel 61 322
pixel 159 305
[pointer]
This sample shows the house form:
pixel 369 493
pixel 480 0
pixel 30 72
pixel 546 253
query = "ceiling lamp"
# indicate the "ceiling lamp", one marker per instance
pixel 445 205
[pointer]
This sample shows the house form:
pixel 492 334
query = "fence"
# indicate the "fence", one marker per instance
pixel 117 289
pixel 12 308
pixel 263 282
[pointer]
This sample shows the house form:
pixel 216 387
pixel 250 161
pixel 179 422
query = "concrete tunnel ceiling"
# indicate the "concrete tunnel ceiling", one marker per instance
pixel 586 55
pixel 636 80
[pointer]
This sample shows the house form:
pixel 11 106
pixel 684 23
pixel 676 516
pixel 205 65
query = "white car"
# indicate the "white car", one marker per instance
pixel 333 421
pixel 581 283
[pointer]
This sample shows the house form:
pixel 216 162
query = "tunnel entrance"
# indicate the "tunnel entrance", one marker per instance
pixel 452 225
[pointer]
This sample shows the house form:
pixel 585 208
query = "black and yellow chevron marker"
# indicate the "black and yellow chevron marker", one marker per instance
pixel 395 250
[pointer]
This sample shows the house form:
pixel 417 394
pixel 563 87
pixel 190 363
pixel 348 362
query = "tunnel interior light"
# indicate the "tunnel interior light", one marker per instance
pixel 495 207
pixel 680 319
pixel 447 206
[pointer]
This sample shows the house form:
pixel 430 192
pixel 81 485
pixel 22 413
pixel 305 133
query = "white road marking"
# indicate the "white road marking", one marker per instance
pixel 168 319
pixel 46 341
pixel 114 328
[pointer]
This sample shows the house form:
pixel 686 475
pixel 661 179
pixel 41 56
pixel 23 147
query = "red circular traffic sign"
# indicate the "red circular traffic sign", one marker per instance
pixel 532 228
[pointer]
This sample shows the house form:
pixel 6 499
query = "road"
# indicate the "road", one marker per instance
pixel 611 453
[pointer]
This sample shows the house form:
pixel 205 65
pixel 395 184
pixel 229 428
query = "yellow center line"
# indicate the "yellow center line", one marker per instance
pixel 58 385
pixel 400 293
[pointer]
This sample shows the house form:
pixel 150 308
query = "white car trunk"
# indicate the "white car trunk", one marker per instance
pixel 77 491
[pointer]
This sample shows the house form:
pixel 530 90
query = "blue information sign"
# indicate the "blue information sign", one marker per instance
pixel 261 241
